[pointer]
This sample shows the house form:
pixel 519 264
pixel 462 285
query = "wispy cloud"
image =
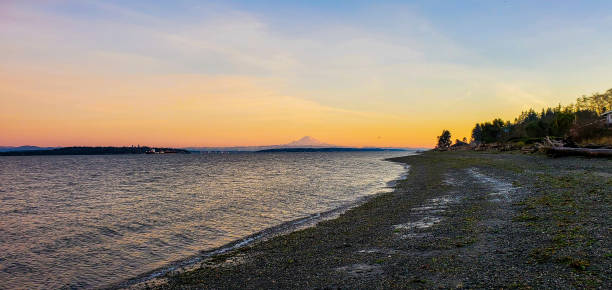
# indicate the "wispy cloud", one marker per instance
pixel 379 66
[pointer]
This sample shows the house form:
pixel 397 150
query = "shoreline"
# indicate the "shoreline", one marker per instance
pixel 188 263
pixel 460 219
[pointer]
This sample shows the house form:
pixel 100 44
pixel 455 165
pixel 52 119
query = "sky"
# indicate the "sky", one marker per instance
pixel 237 73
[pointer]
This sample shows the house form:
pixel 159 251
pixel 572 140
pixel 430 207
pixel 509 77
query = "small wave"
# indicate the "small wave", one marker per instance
pixel 264 234
pixel 403 176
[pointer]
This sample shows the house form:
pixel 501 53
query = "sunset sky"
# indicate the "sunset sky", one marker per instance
pixel 229 73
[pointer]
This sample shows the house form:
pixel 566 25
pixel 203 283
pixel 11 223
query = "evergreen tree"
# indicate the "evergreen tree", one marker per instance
pixel 477 134
pixel 444 140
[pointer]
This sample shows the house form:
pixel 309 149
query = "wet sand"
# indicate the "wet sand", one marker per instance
pixel 459 219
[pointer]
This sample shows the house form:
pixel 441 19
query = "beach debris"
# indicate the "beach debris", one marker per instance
pixel 423 223
pixel 358 270
pixel 377 251
pixel 566 151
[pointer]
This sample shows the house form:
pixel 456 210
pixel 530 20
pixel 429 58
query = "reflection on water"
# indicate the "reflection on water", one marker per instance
pixel 83 221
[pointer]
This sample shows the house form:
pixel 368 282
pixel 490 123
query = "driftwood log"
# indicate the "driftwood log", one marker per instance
pixel 566 151
pixel 552 143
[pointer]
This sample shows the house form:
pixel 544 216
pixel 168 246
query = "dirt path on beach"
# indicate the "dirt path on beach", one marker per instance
pixel 460 219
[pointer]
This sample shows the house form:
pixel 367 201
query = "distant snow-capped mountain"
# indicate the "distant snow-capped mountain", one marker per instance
pixel 307 141
pixel 304 142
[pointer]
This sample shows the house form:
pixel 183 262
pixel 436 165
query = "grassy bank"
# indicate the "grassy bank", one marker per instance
pixel 460 219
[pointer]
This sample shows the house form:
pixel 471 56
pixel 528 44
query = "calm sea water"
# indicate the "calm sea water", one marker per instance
pixel 87 221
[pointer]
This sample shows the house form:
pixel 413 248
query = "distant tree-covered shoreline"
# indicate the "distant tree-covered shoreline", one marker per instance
pixel 95 151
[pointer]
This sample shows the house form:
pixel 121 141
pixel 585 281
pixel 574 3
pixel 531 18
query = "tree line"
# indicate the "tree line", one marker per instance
pixel 578 121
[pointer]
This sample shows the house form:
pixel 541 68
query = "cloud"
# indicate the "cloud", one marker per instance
pixel 376 67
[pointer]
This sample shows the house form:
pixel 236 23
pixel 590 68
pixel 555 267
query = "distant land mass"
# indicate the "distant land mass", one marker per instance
pixel 95 151
pixel 23 148
pixel 331 149
pixel 302 143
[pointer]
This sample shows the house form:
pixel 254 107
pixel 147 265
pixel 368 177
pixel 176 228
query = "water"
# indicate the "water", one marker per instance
pixel 89 221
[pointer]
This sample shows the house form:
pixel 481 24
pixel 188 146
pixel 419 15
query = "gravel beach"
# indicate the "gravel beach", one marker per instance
pixel 460 219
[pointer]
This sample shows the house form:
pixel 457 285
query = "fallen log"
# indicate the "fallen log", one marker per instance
pixel 552 143
pixel 567 151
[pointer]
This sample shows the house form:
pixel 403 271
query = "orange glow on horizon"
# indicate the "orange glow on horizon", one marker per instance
pixel 61 109
pixel 182 111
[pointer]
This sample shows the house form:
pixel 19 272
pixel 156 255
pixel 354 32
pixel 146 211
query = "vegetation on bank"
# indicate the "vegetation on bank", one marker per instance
pixel 580 122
